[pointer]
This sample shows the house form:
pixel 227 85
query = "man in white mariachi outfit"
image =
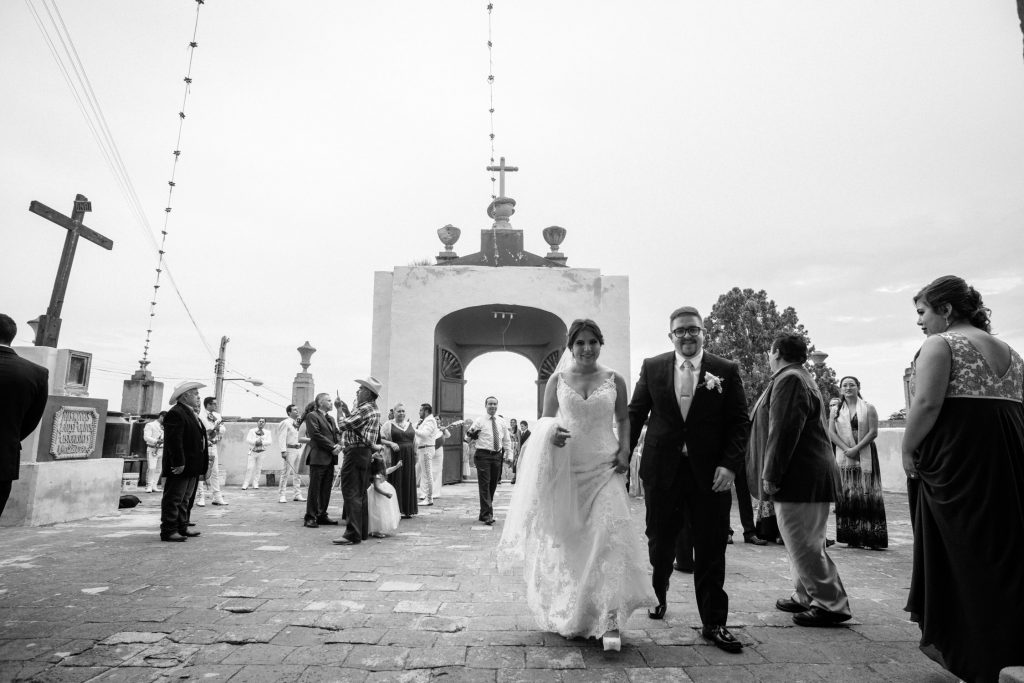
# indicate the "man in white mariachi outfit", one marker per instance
pixel 153 435
pixel 213 422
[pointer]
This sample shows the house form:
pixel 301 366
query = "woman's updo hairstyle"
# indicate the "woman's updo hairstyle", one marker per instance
pixel 578 326
pixel 964 300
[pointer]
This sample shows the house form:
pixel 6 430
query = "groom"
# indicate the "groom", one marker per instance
pixel 696 443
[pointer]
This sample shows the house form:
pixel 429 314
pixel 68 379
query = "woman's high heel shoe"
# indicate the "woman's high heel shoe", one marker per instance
pixel 611 641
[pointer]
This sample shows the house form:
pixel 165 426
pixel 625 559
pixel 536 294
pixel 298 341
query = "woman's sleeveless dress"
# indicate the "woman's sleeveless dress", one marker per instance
pixel 584 563
pixel 860 511
pixel 967 586
pixel 404 478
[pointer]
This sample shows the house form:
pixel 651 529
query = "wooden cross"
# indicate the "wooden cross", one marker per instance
pixel 48 329
pixel 501 168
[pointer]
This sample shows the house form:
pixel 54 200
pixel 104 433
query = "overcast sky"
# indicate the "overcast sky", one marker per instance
pixel 837 155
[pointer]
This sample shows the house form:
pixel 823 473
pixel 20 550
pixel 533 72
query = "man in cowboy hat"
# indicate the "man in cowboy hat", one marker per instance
pixel 360 437
pixel 186 458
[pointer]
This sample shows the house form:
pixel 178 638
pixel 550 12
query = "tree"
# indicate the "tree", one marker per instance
pixel 741 327
pixel 900 414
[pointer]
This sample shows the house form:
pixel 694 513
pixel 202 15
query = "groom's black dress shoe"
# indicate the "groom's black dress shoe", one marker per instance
pixel 755 539
pixel 723 640
pixel 817 616
pixel 658 612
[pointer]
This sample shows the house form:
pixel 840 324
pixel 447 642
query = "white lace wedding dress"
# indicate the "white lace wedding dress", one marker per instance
pixel 585 565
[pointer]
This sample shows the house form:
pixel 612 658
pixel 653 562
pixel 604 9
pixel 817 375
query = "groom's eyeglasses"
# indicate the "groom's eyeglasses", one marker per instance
pixel 681 332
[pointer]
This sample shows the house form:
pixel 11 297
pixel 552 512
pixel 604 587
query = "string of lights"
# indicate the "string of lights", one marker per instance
pixel 490 85
pixel 192 45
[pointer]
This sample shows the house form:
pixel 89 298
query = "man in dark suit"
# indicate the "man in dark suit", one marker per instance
pixel 791 460
pixel 695 444
pixel 23 391
pixel 322 459
pixel 186 459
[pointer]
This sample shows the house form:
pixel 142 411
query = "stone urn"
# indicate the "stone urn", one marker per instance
pixel 448 235
pixel 501 209
pixel 554 235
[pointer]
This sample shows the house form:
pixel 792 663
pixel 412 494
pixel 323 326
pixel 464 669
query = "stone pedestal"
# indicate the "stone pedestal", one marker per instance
pixel 53 492
pixel 142 395
pixel 62 475
pixel 303 390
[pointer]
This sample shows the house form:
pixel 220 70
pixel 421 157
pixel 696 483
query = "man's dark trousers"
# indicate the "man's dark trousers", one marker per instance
pixel 191 498
pixel 178 490
pixel 355 479
pixel 746 507
pixel 488 473
pixel 667 510
pixel 5 493
pixel 318 494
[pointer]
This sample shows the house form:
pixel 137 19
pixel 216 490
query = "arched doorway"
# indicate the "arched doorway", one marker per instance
pixel 463 335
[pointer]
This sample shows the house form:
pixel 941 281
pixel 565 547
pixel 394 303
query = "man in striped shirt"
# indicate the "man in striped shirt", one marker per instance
pixel 360 437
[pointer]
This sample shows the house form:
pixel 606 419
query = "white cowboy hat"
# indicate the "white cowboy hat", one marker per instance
pixel 182 388
pixel 372 383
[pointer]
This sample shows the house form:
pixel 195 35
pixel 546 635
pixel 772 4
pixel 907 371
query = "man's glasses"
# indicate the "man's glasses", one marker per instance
pixel 681 332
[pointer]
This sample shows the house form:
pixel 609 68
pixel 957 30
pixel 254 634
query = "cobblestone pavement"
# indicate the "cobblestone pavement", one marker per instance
pixel 260 598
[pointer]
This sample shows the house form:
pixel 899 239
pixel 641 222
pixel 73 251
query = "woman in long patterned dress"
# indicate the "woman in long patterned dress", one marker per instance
pixel 963 451
pixel 399 435
pixel 860 512
pixel 569 522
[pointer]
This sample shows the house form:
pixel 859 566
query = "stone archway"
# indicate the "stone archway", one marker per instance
pixel 468 333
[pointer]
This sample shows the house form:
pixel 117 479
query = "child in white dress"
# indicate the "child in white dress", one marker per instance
pixel 382 505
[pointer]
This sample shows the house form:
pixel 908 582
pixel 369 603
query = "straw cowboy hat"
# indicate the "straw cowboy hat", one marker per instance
pixel 371 383
pixel 182 388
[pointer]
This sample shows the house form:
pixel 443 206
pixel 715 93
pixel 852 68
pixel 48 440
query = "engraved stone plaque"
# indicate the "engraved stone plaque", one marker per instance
pixel 74 432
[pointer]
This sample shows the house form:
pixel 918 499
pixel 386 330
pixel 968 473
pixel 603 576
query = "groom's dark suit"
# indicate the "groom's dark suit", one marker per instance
pixel 678 486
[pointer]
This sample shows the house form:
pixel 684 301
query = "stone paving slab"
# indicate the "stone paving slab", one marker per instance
pixel 258 597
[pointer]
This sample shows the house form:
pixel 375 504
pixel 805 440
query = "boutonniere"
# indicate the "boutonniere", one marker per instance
pixel 712 382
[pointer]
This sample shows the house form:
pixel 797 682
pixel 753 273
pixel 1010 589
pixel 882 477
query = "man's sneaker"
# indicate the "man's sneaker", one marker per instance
pixel 298 497
pixel 219 501
pixel 149 489
pixel 283 499
pixel 201 502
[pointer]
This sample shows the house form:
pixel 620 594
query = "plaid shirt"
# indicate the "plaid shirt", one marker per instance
pixel 362 427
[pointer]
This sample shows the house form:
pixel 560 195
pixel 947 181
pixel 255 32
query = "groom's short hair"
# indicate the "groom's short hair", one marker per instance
pixel 684 310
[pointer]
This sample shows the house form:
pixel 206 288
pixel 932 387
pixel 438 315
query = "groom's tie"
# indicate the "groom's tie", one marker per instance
pixel 494 433
pixel 686 388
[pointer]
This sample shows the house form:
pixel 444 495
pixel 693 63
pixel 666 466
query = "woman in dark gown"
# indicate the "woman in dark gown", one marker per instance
pixel 963 451
pixel 399 434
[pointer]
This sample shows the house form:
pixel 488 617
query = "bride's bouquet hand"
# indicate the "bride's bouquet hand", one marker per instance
pixel 560 436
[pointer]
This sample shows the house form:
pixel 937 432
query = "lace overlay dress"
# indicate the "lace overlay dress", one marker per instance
pixel 584 564
pixel 967 585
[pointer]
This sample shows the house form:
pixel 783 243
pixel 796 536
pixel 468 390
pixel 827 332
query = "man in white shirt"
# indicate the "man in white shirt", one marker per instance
pixel 213 422
pixel 153 435
pixel 427 434
pixel 492 443
pixel 290 449
pixel 259 440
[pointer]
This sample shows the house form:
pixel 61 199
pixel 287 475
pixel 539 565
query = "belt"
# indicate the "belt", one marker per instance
pixel 486 450
pixel 429 445
pixel 293 447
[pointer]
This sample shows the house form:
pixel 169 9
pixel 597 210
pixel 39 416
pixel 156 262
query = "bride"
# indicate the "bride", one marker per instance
pixel 568 523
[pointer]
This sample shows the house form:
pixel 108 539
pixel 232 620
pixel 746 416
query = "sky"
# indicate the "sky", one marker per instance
pixel 837 155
